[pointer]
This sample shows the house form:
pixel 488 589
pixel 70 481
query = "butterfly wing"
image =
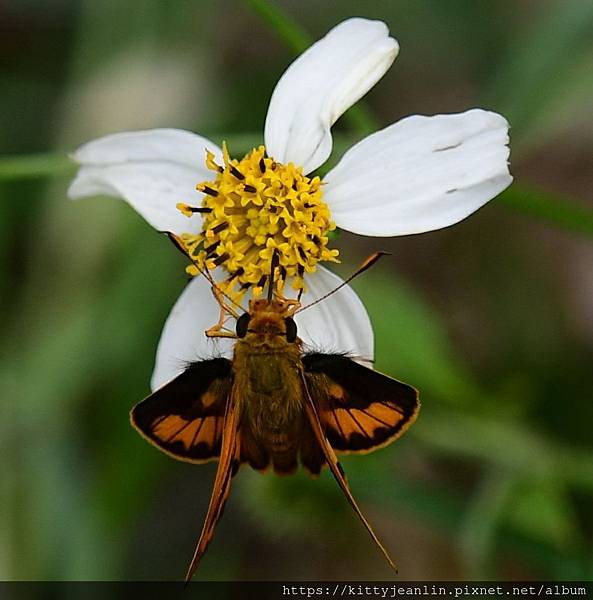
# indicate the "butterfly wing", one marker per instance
pixel 185 417
pixel 359 409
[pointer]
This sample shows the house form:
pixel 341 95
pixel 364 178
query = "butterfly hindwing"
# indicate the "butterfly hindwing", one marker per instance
pixel 359 409
pixel 185 417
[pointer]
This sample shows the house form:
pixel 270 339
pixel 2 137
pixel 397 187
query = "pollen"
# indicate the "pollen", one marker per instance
pixel 253 209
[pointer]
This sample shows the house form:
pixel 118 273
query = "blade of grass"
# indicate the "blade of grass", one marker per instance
pixel 480 524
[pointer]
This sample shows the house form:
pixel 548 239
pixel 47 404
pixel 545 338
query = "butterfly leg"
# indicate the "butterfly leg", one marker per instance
pixel 218 330
pixel 291 304
pixel 227 467
pixel 335 466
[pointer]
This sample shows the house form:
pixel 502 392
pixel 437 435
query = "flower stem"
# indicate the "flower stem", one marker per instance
pixel 291 33
pixel 360 118
pixel 29 166
pixel 558 210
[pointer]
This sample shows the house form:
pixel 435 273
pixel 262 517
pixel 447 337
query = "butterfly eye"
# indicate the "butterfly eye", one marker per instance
pixel 291 329
pixel 242 325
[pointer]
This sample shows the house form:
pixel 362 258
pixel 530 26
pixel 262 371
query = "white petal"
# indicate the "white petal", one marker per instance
pixel 321 85
pixel 419 174
pixel 183 340
pixel 338 324
pixel 152 170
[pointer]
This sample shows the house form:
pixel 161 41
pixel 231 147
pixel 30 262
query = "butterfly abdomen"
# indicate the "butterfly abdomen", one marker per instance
pixel 275 427
pixel 283 448
pixel 267 377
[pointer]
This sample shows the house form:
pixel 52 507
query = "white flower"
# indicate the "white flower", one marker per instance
pixel 419 174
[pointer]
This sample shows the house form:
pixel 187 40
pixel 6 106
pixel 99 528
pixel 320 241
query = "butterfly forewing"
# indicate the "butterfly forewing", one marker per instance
pixel 185 417
pixel 359 409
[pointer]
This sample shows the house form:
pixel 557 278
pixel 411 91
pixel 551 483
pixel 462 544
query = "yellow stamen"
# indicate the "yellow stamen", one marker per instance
pixel 186 209
pixel 254 208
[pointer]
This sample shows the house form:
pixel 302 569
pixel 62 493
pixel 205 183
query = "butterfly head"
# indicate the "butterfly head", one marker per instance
pixel 270 318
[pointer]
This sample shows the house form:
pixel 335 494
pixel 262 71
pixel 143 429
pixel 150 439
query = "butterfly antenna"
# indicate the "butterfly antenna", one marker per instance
pixel 205 272
pixel 275 263
pixel 367 264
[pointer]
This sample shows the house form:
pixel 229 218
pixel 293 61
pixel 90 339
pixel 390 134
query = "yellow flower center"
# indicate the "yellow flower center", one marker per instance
pixel 255 208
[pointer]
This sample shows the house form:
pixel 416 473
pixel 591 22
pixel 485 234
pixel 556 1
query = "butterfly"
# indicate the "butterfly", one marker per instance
pixel 274 406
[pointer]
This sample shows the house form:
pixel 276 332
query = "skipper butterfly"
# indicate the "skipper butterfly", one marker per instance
pixel 273 405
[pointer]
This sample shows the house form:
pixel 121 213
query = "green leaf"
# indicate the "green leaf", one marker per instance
pixel 542 509
pixel 505 444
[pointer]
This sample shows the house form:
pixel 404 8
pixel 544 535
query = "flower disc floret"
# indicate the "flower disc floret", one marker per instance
pixel 254 209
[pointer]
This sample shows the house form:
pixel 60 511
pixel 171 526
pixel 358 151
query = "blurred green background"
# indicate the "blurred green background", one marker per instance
pixel 491 319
